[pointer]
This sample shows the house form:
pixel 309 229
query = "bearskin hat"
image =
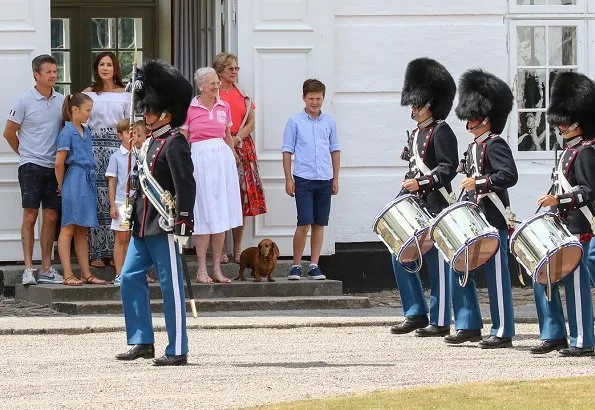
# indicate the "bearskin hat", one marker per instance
pixel 164 90
pixel 427 81
pixel 572 99
pixel 483 95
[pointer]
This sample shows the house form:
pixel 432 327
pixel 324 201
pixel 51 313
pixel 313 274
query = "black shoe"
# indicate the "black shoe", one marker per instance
pixel 549 346
pixel 409 325
pixel 577 351
pixel 495 342
pixel 433 331
pixel 462 336
pixel 173 360
pixel 137 351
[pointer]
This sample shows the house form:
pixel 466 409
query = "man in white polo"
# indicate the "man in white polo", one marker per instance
pixel 32 130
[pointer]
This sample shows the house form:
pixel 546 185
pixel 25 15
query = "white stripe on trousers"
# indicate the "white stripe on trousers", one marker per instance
pixel 176 288
pixel 499 294
pixel 578 307
pixel 442 282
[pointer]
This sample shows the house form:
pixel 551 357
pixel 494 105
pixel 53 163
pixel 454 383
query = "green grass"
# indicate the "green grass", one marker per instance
pixel 543 394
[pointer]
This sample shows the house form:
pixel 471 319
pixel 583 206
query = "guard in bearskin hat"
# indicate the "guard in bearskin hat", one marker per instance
pixel 485 101
pixel 160 228
pixel 571 110
pixel 433 157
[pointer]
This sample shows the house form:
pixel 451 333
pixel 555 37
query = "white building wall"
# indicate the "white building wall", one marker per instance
pixel 24 33
pixel 374 42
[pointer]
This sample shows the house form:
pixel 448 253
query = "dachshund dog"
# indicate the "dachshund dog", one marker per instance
pixel 262 260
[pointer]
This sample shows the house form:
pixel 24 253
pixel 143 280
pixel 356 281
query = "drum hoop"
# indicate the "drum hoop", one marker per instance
pixel 445 212
pixel 543 260
pixel 526 223
pixel 416 234
pixel 387 207
pixel 471 241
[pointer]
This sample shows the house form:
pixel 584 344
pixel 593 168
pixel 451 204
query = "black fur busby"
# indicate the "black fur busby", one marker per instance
pixel 572 99
pixel 164 90
pixel 483 95
pixel 427 81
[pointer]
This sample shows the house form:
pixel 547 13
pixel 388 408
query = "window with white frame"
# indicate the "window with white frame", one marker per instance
pixel 548 6
pixel 542 50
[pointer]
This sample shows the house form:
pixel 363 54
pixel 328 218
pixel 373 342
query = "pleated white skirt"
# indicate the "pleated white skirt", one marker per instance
pixel 218 206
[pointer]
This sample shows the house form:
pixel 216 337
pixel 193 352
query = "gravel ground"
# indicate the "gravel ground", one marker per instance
pixel 240 368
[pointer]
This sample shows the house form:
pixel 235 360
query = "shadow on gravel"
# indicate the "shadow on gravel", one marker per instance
pixel 307 365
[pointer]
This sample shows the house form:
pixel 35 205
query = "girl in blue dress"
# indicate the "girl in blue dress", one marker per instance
pixel 77 186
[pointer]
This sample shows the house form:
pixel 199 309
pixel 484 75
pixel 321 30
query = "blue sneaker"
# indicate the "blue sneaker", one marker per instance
pixel 315 273
pixel 295 273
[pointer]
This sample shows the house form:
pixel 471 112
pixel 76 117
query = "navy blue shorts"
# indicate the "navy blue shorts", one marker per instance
pixel 38 187
pixel 313 201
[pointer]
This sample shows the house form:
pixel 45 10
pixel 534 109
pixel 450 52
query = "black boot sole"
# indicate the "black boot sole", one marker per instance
pixel 142 356
pixel 427 334
pixel 546 351
pixel 176 363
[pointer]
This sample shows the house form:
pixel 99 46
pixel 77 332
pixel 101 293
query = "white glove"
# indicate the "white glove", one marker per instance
pixel 181 240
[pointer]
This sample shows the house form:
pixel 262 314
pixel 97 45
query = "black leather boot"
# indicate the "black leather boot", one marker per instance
pixel 462 336
pixel 136 352
pixel 173 360
pixel 409 325
pixel 577 351
pixel 549 346
pixel 495 342
pixel 433 331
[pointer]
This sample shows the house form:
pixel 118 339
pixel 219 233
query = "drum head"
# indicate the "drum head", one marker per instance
pixel 563 262
pixel 409 253
pixel 481 250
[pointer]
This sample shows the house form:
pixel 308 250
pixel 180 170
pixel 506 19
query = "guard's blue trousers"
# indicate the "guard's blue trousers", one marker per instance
pixel 160 251
pixel 591 261
pixel 466 305
pixel 412 293
pixel 579 307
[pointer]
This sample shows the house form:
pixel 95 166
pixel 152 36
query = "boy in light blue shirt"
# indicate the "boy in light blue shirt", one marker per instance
pixel 311 137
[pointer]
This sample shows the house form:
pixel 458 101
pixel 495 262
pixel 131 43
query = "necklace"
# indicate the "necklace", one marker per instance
pixel 227 90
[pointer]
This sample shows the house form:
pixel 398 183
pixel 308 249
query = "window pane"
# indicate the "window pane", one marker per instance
pixel 561 2
pixel 62 88
pixel 543 2
pixel 532 131
pixel 103 33
pixel 531 88
pixel 63 65
pixel 562 45
pixel 60 33
pixel 555 139
pixel 130 33
pixel 530 2
pixel 126 59
pixel 531 46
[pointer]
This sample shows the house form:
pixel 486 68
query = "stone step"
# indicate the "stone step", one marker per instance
pixel 50 294
pixel 228 304
pixel 13 273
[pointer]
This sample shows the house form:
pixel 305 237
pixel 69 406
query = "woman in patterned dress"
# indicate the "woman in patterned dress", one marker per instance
pixel 243 118
pixel 110 104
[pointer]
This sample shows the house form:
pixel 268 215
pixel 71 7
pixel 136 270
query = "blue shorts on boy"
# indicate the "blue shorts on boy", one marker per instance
pixel 118 168
pixel 311 141
pixel 79 189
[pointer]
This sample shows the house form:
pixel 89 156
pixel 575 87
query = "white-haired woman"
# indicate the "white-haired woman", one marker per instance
pixel 218 206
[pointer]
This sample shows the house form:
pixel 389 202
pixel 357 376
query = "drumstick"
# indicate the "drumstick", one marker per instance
pixel 460 195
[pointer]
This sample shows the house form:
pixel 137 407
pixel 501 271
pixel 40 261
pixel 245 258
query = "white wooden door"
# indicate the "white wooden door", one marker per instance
pixel 281 43
pixel 24 33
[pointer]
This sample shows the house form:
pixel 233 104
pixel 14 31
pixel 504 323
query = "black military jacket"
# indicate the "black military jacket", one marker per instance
pixel 168 156
pixel 489 160
pixel 577 163
pixel 437 148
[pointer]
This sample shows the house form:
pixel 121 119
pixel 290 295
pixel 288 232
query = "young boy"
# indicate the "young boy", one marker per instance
pixel 311 136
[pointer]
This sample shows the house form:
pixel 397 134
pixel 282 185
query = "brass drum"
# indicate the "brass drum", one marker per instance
pixel 545 248
pixel 464 237
pixel 403 227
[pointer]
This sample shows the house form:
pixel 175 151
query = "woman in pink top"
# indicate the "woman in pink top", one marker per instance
pixel 218 206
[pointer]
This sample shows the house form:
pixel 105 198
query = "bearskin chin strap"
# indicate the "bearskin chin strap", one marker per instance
pixel 481 124
pixel 425 108
pixel 573 127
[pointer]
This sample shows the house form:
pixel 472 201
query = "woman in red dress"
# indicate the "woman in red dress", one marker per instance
pixel 243 118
